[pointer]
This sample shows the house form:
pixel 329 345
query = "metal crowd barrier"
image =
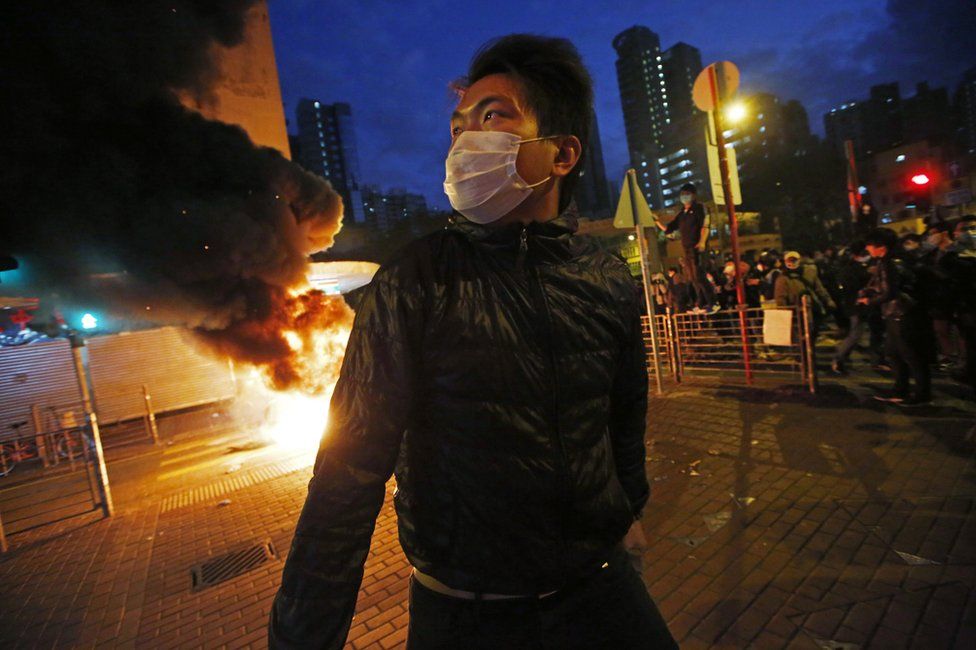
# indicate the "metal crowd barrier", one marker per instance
pixel 132 428
pixel 57 444
pixel 692 345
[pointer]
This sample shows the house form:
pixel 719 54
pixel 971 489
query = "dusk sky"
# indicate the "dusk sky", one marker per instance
pixel 393 61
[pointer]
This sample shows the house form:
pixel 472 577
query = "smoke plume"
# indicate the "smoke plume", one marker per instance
pixel 116 195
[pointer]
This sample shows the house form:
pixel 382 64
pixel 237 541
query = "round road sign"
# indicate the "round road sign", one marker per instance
pixel 726 79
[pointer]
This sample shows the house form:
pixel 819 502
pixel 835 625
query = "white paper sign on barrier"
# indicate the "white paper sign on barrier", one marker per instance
pixel 778 326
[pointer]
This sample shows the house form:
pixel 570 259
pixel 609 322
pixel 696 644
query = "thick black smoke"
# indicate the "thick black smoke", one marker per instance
pixel 114 194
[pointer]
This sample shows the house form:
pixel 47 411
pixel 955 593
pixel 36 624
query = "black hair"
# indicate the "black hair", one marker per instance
pixel 911 237
pixel 882 237
pixel 688 187
pixel 558 88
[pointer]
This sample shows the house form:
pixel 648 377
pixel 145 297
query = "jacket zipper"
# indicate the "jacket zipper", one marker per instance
pixel 523 249
pixel 542 307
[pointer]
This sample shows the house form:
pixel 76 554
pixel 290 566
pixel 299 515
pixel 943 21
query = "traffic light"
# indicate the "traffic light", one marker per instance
pixel 919 191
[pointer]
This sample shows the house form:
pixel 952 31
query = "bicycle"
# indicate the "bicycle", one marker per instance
pixel 13 450
pixel 72 446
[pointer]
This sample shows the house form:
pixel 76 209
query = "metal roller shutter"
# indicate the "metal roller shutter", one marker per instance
pixel 36 373
pixel 178 376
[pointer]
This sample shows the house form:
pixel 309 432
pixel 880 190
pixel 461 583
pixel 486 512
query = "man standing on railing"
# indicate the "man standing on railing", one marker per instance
pixel 691 223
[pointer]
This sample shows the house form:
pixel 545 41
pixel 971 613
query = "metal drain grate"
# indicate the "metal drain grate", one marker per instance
pixel 225 567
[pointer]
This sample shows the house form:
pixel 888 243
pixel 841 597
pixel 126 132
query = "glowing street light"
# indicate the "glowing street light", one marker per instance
pixel 920 179
pixel 89 322
pixel 736 112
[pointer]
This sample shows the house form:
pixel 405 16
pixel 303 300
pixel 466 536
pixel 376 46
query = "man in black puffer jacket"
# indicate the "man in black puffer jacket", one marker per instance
pixel 498 368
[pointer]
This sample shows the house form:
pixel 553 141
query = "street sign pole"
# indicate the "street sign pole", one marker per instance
pixel 645 275
pixel 723 163
pixel 853 192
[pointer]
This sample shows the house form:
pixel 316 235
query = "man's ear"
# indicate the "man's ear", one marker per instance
pixel 568 154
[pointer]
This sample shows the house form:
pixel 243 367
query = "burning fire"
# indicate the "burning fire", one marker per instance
pixel 292 420
pixel 287 401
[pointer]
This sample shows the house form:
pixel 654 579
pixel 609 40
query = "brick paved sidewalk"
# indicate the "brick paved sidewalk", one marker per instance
pixel 782 520
pixel 777 520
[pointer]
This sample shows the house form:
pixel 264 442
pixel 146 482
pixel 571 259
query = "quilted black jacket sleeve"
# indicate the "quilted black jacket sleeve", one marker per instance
pixel 369 411
pixel 628 411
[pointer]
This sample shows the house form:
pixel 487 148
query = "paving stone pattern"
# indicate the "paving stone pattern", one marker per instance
pixel 777 520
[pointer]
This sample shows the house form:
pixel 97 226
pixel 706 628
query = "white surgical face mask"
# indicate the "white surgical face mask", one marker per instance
pixel 685 198
pixel 481 180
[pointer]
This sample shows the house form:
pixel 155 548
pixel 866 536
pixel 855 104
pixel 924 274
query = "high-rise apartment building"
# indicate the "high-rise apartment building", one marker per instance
pixel 655 92
pixel 846 122
pixel 768 128
pixel 327 147
pixel 926 114
pixel 643 93
pixel 965 101
pixel 383 210
pixel 681 65
pixel 886 120
pixel 592 190
pixel 683 159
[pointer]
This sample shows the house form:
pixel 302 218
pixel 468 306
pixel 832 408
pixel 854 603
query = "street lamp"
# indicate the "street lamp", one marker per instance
pixel 736 112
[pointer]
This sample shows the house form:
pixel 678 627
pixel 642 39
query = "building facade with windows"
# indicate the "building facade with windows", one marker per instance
pixel 327 147
pixel 655 93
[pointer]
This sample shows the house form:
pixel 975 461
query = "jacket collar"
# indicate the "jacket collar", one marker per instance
pixel 548 242
pixel 562 227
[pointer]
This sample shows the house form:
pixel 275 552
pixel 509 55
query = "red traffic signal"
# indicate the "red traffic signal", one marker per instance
pixel 921 179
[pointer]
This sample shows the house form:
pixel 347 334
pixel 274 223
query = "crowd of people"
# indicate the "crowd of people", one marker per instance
pixel 913 297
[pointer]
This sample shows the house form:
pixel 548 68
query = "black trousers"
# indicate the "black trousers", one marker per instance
pixel 700 286
pixel 610 608
pixel 907 354
pixel 966 322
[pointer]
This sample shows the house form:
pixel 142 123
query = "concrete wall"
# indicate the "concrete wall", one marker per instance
pixel 247 92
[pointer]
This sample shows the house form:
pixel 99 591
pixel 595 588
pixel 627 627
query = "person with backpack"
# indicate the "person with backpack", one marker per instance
pixel 797 281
